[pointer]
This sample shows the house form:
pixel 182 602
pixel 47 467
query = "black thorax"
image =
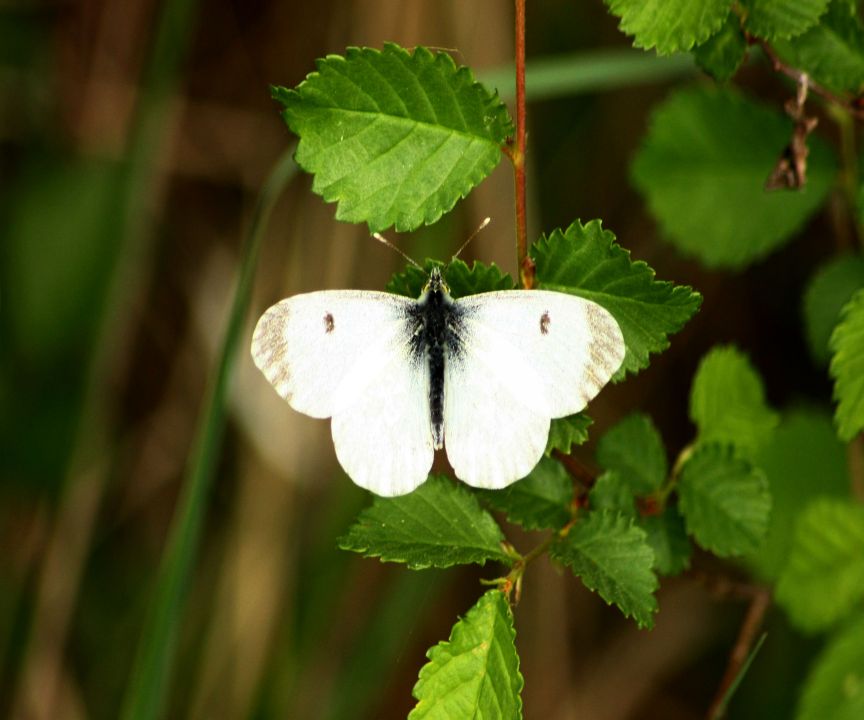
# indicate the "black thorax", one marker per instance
pixel 435 321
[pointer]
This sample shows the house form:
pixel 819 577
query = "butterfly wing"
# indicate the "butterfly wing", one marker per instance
pixel 346 355
pixel 520 358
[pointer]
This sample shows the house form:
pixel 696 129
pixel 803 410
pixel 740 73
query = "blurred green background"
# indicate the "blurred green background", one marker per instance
pixel 135 138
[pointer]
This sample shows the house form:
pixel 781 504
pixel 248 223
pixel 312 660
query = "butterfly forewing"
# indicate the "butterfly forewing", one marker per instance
pixel 523 358
pixel 345 355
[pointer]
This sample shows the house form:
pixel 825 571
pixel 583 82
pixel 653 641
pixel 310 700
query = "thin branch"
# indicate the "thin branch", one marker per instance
pixel 759 605
pixel 853 107
pixel 517 155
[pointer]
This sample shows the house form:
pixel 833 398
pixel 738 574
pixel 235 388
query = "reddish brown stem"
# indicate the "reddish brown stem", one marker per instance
pixel 517 155
pixel 852 107
pixel 746 637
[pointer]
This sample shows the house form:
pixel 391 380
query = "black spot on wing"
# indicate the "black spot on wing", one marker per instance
pixel 544 323
pixel 329 324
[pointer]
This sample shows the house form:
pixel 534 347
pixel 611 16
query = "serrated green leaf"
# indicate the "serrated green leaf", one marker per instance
pixel 773 19
pixel 669 25
pixel 721 55
pixel 566 432
pixel 724 500
pixel 707 154
pixel 802 460
pixel 832 51
pixel 613 558
pixel 585 260
pixel 396 138
pixel 727 401
pixel 824 576
pixel 847 367
pixel 438 525
pixel 541 500
pixel 474 674
pixel 667 537
pixel 461 279
pixel 828 291
pixel 612 492
pixel 635 450
pixel 834 687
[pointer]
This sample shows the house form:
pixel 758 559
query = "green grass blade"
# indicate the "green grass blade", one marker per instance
pixel 724 703
pixel 579 73
pixel 151 672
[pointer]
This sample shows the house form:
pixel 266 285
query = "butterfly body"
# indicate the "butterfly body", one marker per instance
pixel 481 375
pixel 436 321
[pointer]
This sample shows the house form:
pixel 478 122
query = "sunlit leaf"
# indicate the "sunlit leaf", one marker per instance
pixel 438 525
pixel 475 674
pixel 772 19
pixel 585 260
pixel 669 25
pixel 395 137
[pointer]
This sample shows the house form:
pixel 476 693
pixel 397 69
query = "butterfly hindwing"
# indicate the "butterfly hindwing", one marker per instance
pixel 522 358
pixel 345 355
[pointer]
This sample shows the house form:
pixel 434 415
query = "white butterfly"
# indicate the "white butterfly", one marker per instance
pixel 481 376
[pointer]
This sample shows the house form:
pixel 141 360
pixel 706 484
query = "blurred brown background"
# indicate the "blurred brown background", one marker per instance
pixel 122 216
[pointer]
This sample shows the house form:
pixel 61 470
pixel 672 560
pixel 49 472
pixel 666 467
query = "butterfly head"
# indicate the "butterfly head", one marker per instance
pixel 435 284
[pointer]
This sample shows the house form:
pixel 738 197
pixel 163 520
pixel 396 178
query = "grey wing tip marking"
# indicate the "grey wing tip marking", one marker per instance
pixel 606 352
pixel 269 347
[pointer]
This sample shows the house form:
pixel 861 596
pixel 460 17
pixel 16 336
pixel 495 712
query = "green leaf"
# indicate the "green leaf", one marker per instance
pixel 847 367
pixel 474 674
pixel 828 291
pixel 461 279
pixel 724 500
pixel 635 450
pixel 668 539
pixel 834 687
pixel 802 460
pixel 832 52
pixel 438 525
pixel 612 492
pixel 721 55
pixel 824 576
pixel 566 432
pixel 727 401
pixel 585 260
pixel 702 168
pixel 541 500
pixel 773 19
pixel 613 558
pixel 669 25
pixel 396 138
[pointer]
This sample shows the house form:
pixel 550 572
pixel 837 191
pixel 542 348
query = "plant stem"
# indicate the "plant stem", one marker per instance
pixel 151 673
pixel 759 605
pixel 517 156
pixel 779 66
pixel 849 168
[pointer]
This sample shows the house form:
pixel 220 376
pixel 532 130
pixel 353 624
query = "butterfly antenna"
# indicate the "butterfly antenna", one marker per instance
pixel 471 237
pixel 380 238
